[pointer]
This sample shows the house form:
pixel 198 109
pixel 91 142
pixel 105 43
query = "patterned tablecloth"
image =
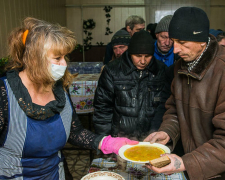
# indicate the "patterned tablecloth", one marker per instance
pixel 82 92
pixel 133 171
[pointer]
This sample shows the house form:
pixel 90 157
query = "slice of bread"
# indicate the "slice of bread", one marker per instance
pixel 160 162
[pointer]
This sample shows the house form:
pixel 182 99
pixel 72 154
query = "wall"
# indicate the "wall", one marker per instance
pixel 79 10
pixel 123 8
pixel 14 11
pixel 157 9
pixel 217 14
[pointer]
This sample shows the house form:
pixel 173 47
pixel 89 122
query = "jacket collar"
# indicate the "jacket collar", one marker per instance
pixel 128 67
pixel 207 58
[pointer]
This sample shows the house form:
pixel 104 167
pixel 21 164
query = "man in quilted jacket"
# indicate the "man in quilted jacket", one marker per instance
pixel 129 91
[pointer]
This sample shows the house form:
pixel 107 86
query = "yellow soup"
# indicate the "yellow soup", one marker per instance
pixel 143 153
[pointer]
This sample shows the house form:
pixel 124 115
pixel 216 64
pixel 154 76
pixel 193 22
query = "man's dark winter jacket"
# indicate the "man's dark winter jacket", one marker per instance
pixel 126 98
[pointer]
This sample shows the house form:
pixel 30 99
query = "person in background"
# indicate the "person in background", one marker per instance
pixel 151 29
pixel 221 39
pixel 119 42
pixel 220 36
pixel 133 24
pixel 215 32
pixel 164 45
pixel 195 110
pixel 37 116
pixel 164 51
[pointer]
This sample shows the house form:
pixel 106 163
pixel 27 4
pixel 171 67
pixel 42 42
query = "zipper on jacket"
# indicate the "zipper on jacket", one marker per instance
pixel 188 76
pixel 140 74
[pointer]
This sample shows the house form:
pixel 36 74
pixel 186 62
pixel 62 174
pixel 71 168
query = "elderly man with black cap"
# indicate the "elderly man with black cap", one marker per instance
pixel 196 108
pixel 129 91
pixel 120 42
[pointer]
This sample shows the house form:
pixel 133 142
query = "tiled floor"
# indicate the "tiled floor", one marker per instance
pixel 79 160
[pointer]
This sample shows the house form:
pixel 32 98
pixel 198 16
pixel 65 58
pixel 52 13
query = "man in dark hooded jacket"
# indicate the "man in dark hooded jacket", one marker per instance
pixel 129 91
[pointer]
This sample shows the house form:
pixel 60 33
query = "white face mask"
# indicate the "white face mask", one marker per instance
pixel 57 71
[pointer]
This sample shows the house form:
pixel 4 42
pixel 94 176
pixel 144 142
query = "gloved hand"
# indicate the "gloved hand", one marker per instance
pixel 112 145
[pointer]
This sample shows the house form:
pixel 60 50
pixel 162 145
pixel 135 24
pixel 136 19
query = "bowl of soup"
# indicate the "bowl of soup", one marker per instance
pixel 142 152
pixel 103 175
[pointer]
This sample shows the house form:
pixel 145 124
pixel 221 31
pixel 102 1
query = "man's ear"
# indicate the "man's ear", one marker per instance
pixel 157 35
pixel 203 44
pixel 128 29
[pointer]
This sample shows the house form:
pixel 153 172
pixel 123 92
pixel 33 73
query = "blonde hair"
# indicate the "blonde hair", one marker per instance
pixel 32 57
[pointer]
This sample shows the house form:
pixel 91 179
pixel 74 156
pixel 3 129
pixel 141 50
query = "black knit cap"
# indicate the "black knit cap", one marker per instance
pixel 141 43
pixel 121 37
pixel 189 24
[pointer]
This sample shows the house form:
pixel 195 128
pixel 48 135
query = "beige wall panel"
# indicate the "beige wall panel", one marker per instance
pixel 74 22
pixel 150 15
pixel 103 2
pixel 125 1
pixel 2 31
pixel 124 15
pixel 118 2
pixel 14 11
pixel 101 24
pixel 217 2
pixel 68 2
pixel 6 26
pixel 140 11
pixel 31 5
pixel 95 1
pixel 98 15
pixel 8 16
pixel 217 14
pixel 89 2
pixel 119 18
pixel 217 18
pixel 132 11
pixel 134 2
